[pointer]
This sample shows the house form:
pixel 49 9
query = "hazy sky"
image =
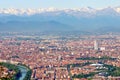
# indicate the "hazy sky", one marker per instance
pixel 58 3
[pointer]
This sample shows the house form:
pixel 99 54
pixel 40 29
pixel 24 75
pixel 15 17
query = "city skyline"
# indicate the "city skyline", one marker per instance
pixel 59 39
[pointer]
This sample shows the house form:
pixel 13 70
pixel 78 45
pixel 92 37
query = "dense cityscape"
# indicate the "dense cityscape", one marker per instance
pixel 62 56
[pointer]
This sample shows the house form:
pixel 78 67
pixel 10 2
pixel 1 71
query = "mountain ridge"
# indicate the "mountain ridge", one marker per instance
pixel 83 19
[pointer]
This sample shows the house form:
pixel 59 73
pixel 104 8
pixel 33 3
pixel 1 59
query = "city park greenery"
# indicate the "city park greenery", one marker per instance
pixel 109 71
pixel 94 58
pixel 28 75
pixel 79 64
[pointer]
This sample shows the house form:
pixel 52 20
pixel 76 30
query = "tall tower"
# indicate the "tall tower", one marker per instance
pixel 96 45
pixel 59 58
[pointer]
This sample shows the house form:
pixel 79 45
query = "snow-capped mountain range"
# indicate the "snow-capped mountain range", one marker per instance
pixel 72 11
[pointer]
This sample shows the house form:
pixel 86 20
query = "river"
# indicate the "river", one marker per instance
pixel 23 72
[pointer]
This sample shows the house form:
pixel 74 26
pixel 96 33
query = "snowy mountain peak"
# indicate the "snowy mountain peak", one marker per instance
pixel 74 11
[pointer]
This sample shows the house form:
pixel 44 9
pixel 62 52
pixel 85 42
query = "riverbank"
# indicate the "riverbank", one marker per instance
pixel 11 67
pixel 27 72
pixel 22 72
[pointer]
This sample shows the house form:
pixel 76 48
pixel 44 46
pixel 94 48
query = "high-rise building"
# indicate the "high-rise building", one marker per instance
pixel 96 45
pixel 59 58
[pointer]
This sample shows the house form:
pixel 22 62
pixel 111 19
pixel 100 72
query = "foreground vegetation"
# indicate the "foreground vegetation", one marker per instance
pixel 11 67
pixel 18 73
